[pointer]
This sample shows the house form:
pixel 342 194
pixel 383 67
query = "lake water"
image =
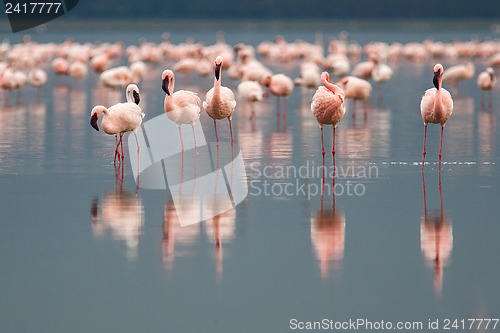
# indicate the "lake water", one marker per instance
pixel 81 252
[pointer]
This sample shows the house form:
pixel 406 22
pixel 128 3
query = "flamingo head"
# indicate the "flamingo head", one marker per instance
pixel 94 116
pixel 344 80
pixel 133 93
pixel 438 72
pixel 218 65
pixel 166 76
pixel 491 72
pixel 325 77
pixel 266 81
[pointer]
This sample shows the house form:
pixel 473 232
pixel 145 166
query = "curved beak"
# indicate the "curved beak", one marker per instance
pixel 435 79
pixel 217 71
pixel 93 122
pixel 164 86
pixel 137 99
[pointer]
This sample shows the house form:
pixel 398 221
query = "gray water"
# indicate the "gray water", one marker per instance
pixel 80 254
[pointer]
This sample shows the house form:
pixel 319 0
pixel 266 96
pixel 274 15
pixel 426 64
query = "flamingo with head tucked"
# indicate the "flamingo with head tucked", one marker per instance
pixel 328 107
pixel 219 102
pixel 436 107
pixel 486 81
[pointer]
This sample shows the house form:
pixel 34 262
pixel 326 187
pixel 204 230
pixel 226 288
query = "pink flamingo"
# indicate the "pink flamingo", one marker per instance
pixel 279 85
pixel 119 119
pixel 328 107
pixel 182 107
pixel 436 107
pixel 486 81
pixel 357 89
pixel 458 73
pixel 219 102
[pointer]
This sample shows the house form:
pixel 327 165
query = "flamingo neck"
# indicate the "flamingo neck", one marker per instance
pixel 169 101
pixel 217 86
pixel 330 86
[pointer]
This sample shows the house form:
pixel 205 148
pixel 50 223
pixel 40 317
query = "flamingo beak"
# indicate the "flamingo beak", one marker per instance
pixel 94 210
pixel 217 71
pixel 137 99
pixel 164 86
pixel 93 122
pixel 435 80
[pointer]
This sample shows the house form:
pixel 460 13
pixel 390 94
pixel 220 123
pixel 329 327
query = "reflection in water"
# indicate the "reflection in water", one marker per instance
pixel 199 196
pixel 122 213
pixel 328 236
pixel 459 138
pixel 486 141
pixel 436 238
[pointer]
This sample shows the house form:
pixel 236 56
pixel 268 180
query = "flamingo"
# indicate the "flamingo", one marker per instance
pixel 364 69
pixel 37 78
pixel 328 107
pixel 458 73
pixel 182 107
pixel 252 92
pixel 381 73
pixel 356 88
pixel 280 85
pixel 436 107
pixel 120 118
pixel 219 102
pixel 486 81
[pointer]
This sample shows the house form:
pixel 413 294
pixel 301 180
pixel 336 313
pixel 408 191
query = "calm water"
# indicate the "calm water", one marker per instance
pixel 80 255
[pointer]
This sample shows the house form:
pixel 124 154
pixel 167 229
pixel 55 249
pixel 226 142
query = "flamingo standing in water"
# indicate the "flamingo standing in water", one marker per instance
pixel 486 81
pixel 279 85
pixel 219 102
pixel 436 107
pixel 356 88
pixel 182 107
pixel 328 107
pixel 120 118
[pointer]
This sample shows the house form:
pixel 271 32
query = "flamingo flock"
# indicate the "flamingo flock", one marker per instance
pixel 337 71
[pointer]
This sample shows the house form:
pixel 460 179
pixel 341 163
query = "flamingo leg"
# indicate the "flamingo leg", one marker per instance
pixel 216 136
pixel 333 141
pixel 180 136
pixel 322 144
pixel 423 153
pixel 490 102
pixel 482 100
pixel 117 152
pixel 231 130
pixel 138 151
pixel 121 144
pixel 284 106
pixel 441 145
pixel 194 135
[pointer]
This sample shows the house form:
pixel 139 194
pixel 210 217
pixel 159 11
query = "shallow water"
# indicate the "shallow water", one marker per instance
pixel 82 252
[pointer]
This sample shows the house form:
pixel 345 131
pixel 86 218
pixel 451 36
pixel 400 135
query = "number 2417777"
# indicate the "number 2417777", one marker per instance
pixel 470 324
pixel 32 8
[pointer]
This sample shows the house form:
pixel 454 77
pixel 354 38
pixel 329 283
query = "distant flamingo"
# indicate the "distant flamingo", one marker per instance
pixel 37 78
pixel 280 85
pixel 436 107
pixel 357 89
pixel 252 92
pixel 182 107
pixel 458 73
pixel 328 107
pixel 486 81
pixel 364 69
pixel 219 102
pixel 381 73
pixel 118 119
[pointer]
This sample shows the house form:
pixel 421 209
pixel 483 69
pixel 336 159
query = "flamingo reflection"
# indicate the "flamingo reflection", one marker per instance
pixel 328 236
pixel 436 238
pixel 120 212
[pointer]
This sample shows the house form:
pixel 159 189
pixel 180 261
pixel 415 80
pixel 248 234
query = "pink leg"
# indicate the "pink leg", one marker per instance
pixel 284 106
pixel 423 153
pixel 322 144
pixel 194 135
pixel 117 152
pixel 138 152
pixel 180 136
pixel 333 141
pixel 490 102
pixel 121 144
pixel 441 145
pixel 231 129
pixel 216 136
